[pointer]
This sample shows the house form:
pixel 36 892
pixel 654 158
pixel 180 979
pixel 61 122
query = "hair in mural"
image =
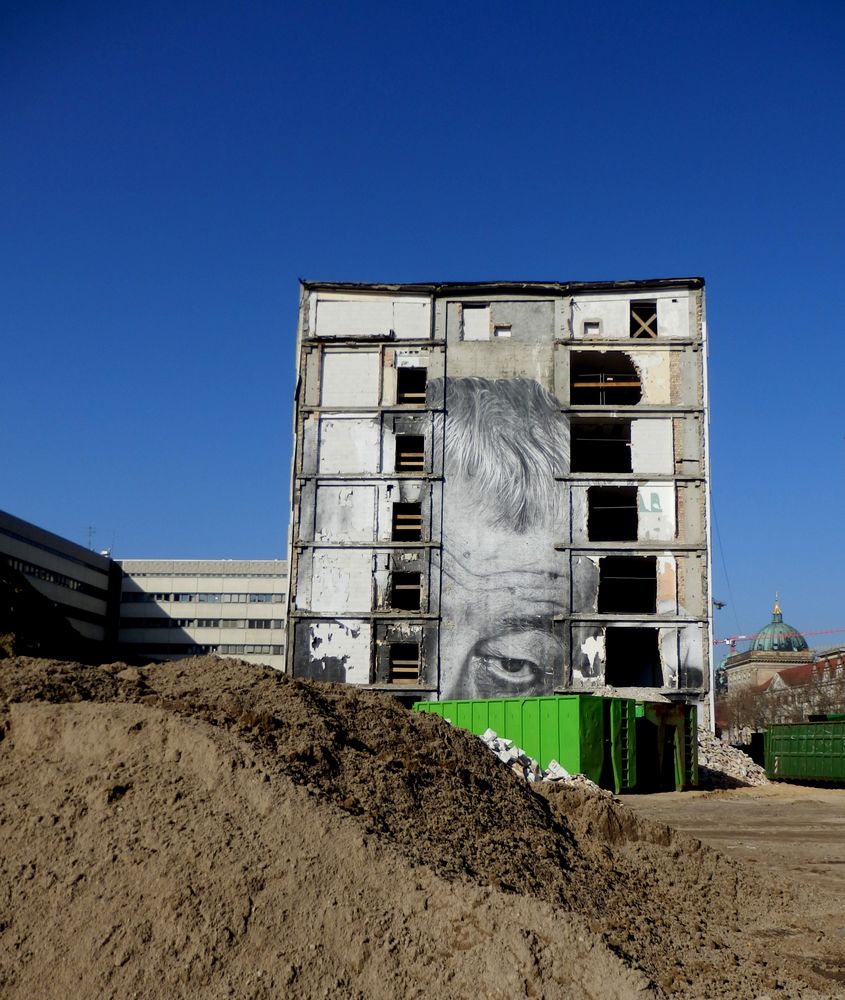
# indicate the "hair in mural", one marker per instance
pixel 510 440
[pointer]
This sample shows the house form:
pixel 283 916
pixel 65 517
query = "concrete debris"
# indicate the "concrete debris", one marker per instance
pixel 528 768
pixel 722 766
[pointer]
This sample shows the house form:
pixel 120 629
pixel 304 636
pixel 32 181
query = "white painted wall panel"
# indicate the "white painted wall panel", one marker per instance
pixel 656 512
pixel 476 323
pixel 346 513
pixel 654 370
pixel 651 446
pixel 344 640
pixel 673 317
pixel 350 378
pixel 349 444
pixel 412 319
pixel 341 581
pixel 354 317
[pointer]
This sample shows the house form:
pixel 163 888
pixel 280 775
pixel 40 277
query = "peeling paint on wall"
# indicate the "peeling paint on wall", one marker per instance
pixel 654 372
pixel 656 512
pixel 593 649
pixel 342 580
pixel 339 651
pixel 345 513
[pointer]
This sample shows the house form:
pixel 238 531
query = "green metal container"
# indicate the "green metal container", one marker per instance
pixel 586 735
pixel 666 746
pixel 806 751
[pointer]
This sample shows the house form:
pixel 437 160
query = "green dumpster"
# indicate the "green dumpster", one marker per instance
pixel 806 751
pixel 585 734
pixel 667 746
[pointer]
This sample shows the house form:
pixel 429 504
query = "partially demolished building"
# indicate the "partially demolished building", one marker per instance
pixel 500 489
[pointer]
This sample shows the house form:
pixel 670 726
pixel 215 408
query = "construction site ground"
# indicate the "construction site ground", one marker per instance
pixel 781 829
pixel 211 828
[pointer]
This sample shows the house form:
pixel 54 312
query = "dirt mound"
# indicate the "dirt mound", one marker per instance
pixel 213 828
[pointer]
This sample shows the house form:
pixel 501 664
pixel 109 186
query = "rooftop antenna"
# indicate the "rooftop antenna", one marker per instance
pixel 91 532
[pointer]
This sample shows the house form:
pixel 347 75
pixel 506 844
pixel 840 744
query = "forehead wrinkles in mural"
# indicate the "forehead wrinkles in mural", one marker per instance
pixel 504 441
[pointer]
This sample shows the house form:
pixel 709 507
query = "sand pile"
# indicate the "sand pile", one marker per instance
pixel 212 828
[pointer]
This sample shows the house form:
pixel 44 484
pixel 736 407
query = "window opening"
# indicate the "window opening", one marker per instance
pixel 601 445
pixel 592 328
pixel 643 320
pixel 410 453
pixel 632 657
pixel 407 522
pixel 475 321
pixel 405 591
pixel 404 663
pixel 410 386
pixel 604 378
pixel 628 585
pixel 502 330
pixel 612 514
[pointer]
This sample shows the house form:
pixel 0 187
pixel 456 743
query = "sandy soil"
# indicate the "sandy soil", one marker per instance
pixel 209 828
pixel 791 831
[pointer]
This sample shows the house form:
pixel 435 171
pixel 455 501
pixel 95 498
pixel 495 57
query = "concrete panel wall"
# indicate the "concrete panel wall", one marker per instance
pixel 350 379
pixel 656 512
pixel 360 317
pixel 609 316
pixel 341 581
pixel 345 513
pixel 349 444
pixel 652 446
pixel 336 650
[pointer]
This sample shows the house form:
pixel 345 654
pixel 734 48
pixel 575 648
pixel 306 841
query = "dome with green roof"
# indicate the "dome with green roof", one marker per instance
pixel 778 637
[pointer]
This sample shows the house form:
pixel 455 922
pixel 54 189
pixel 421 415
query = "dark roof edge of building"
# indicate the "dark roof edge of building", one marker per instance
pixel 32 534
pixel 550 287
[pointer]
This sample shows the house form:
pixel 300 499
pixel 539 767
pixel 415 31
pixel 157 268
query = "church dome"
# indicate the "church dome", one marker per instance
pixel 778 637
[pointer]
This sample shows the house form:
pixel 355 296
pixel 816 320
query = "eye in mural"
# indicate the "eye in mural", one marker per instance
pixel 505 445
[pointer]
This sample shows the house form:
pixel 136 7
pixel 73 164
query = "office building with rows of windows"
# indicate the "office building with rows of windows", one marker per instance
pixel 172 608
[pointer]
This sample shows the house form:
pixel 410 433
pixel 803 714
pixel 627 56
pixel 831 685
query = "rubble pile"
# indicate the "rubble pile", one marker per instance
pixel 722 766
pixel 528 768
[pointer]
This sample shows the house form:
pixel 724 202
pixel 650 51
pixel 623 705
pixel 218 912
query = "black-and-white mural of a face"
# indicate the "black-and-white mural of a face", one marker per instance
pixel 504 443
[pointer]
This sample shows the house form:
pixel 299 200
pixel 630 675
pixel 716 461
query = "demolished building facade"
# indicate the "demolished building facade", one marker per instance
pixel 501 489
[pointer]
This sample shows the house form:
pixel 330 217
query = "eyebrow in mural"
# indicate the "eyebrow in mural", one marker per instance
pixel 505 443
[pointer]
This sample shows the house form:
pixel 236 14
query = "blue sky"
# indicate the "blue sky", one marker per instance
pixel 170 170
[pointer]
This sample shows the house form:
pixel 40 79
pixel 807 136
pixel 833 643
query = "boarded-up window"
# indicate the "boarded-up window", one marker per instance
pixel 476 322
pixel 410 386
pixel 404 663
pixel 644 320
pixel 405 591
pixel 410 453
pixel 406 522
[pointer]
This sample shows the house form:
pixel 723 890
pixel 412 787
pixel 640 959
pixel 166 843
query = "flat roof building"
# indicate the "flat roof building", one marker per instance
pixel 501 489
pixel 172 608
pixel 80 584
